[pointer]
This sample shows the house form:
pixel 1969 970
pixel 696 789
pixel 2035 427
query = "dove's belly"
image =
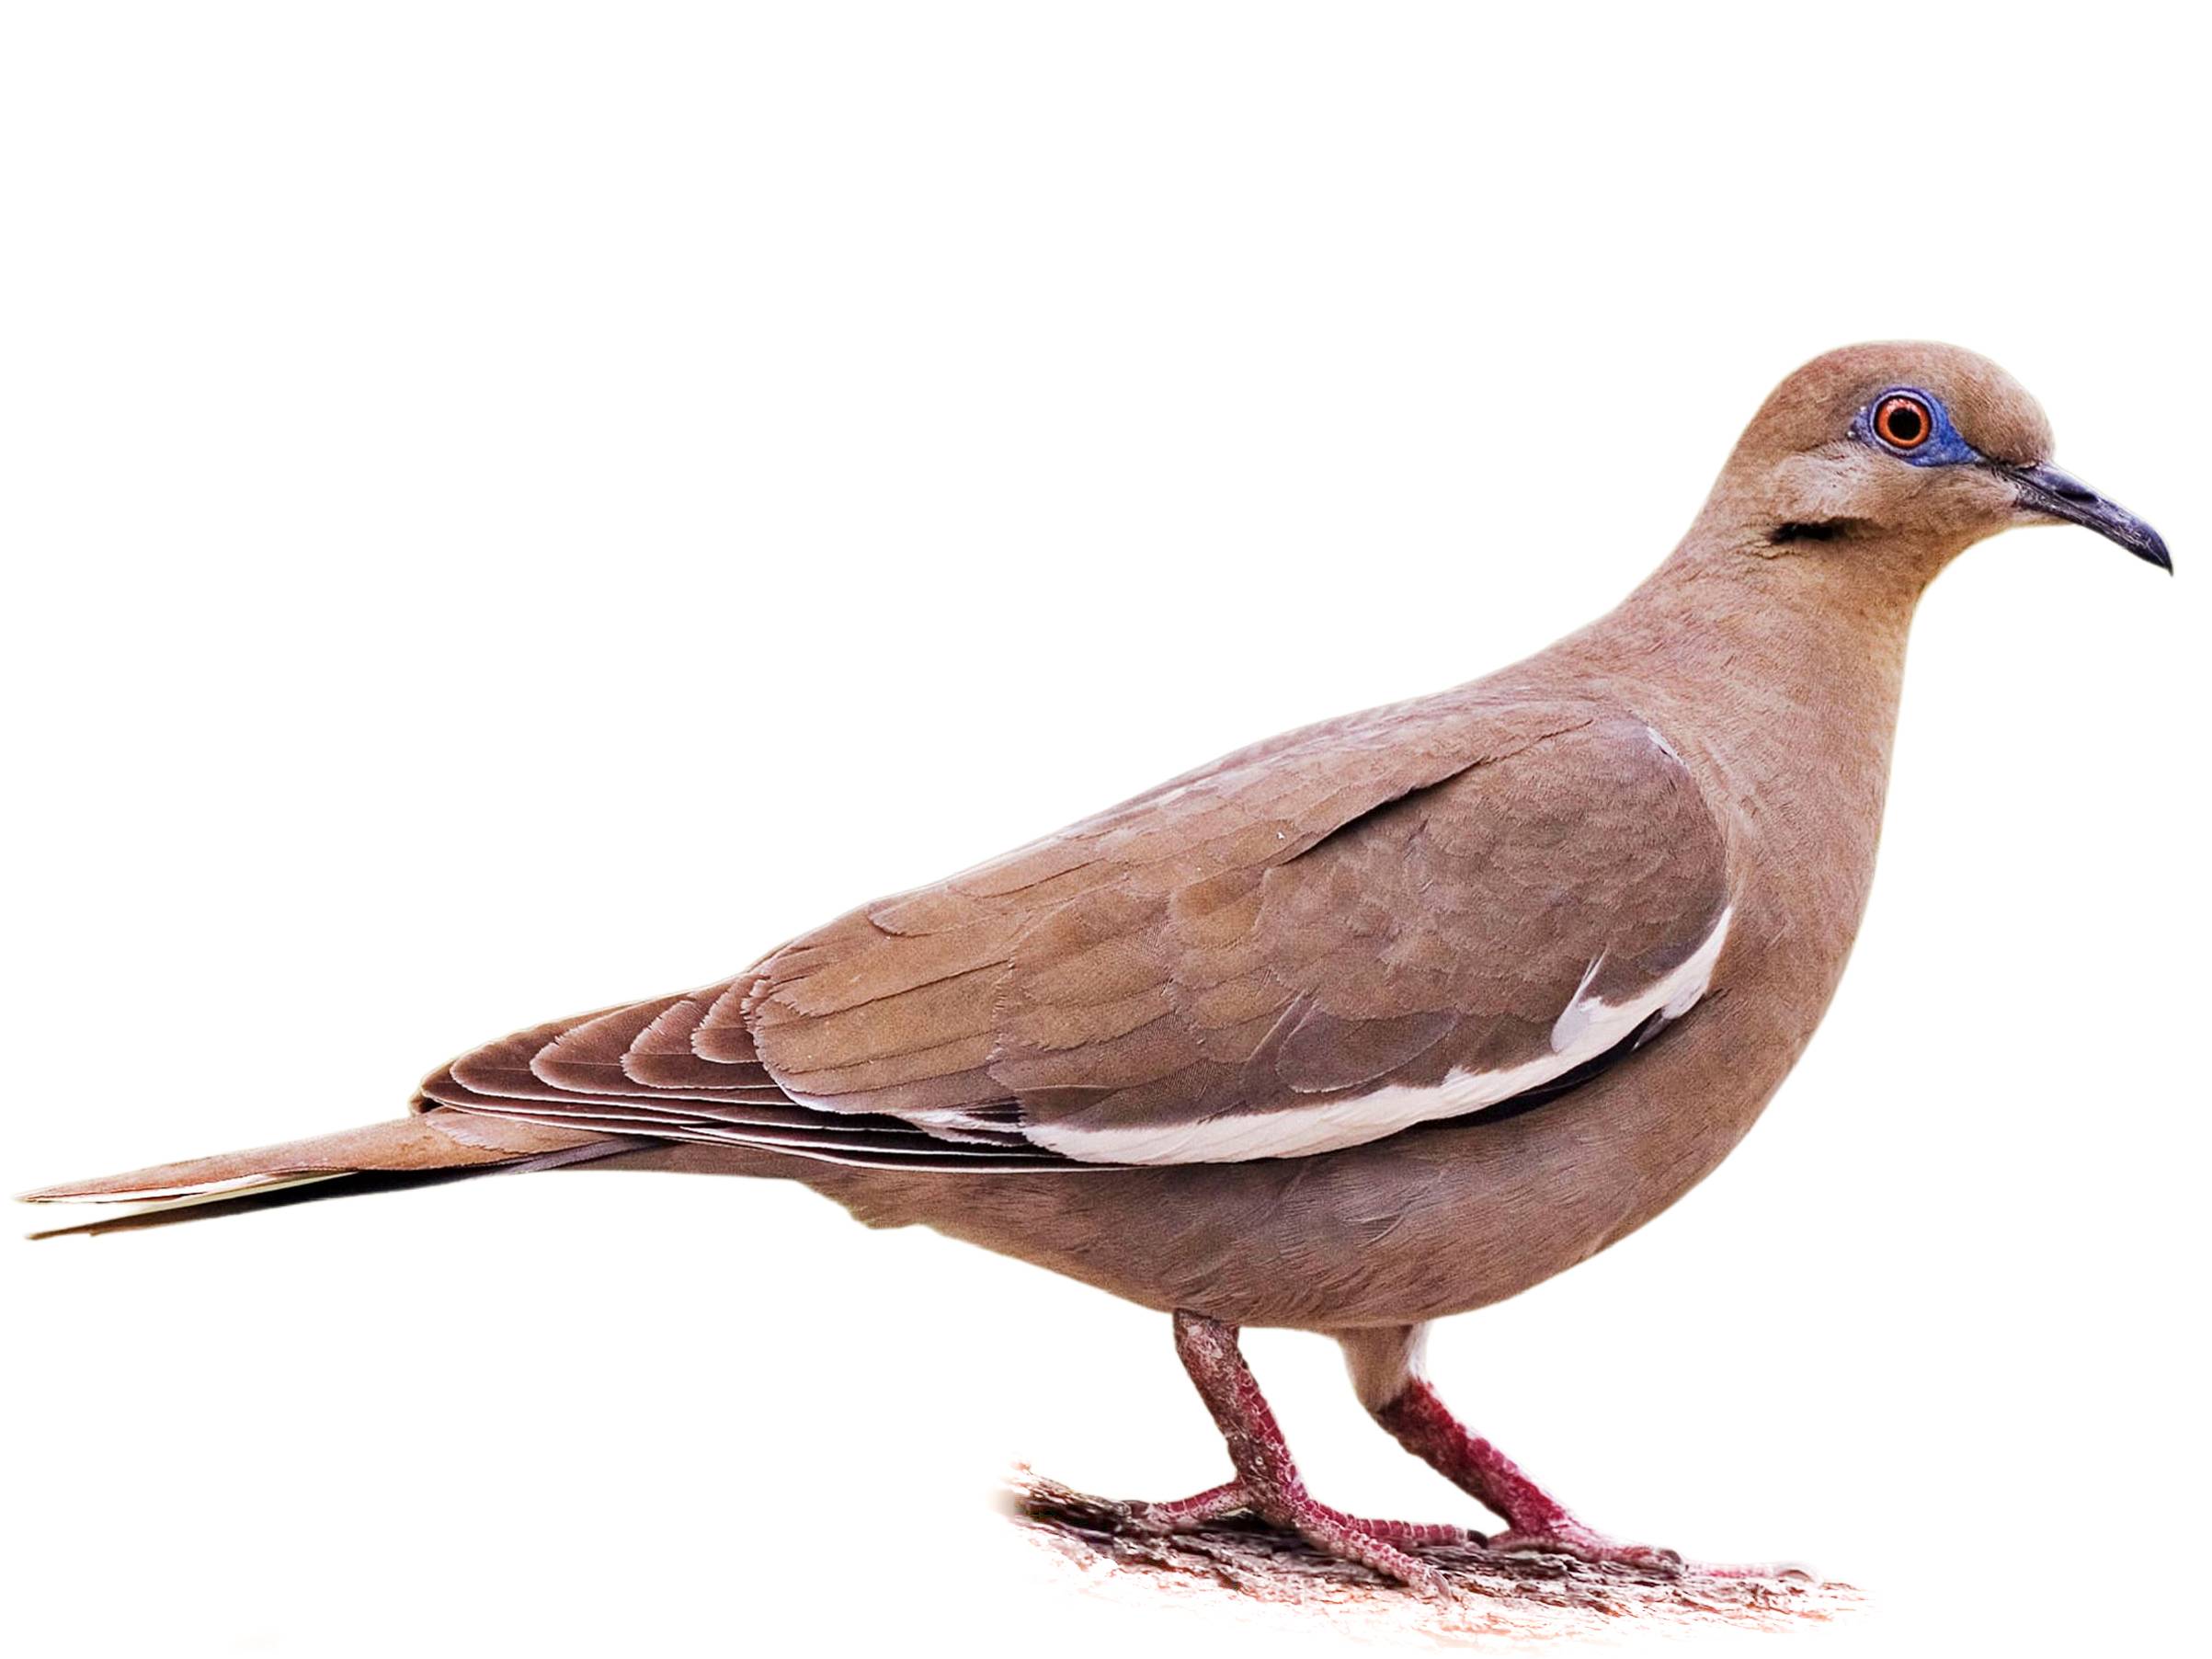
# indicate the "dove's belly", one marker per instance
pixel 1432 1222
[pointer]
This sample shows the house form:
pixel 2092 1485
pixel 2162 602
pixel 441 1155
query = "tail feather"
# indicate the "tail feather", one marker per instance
pixel 435 1143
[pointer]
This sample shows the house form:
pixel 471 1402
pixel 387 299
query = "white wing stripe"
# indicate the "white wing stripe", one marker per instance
pixel 1586 1029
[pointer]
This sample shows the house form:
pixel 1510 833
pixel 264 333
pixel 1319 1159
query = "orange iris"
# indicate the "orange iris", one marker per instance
pixel 1903 422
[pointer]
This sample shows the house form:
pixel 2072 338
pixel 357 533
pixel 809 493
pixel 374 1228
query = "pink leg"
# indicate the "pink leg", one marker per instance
pixel 1533 1518
pixel 1268 1482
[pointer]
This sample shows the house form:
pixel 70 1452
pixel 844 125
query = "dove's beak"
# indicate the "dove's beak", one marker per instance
pixel 2047 493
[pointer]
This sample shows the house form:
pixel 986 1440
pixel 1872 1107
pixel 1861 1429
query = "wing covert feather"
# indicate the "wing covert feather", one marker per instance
pixel 1313 941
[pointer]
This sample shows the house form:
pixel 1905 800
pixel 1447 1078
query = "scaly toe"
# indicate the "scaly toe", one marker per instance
pixel 1221 1502
pixel 1417 1533
pixel 1188 1515
pixel 1584 1545
pixel 1375 1545
pixel 1371 1544
pixel 1386 1561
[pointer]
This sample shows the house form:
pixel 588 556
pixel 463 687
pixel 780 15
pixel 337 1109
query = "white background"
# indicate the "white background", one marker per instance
pixel 510 509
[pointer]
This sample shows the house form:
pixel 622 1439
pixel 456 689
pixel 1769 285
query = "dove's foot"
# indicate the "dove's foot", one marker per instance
pixel 1378 1545
pixel 1187 1515
pixel 1268 1484
pixel 1566 1535
pixel 1385 1369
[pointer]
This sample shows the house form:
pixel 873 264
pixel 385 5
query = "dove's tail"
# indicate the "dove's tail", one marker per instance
pixel 431 1146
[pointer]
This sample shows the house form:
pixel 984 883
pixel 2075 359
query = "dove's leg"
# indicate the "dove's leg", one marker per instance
pixel 1385 1370
pixel 1268 1482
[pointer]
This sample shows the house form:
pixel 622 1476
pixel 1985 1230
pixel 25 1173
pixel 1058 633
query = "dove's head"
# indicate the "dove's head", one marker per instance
pixel 1902 453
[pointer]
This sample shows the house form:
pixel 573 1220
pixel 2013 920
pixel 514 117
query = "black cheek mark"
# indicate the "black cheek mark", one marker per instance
pixel 1818 529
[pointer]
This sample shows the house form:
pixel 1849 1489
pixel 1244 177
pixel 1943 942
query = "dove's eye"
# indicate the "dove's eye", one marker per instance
pixel 1902 423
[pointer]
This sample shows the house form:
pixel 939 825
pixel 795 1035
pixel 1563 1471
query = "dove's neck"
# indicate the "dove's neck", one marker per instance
pixel 1778 681
pixel 1784 660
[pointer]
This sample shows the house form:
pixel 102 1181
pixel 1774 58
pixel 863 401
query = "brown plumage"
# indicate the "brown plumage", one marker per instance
pixel 1372 1023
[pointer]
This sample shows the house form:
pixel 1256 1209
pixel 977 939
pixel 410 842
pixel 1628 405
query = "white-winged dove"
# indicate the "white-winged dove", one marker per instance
pixel 1372 1023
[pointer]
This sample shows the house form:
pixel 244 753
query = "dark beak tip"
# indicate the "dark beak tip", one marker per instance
pixel 2150 549
pixel 2152 552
